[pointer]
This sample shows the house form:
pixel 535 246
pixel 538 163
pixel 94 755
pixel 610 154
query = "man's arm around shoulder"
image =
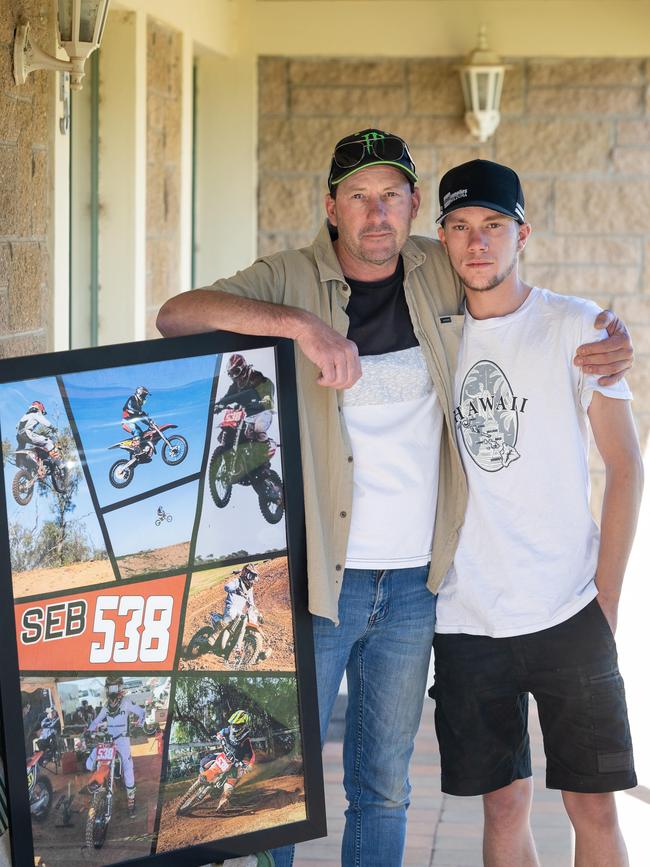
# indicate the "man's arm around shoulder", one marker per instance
pixel 617 441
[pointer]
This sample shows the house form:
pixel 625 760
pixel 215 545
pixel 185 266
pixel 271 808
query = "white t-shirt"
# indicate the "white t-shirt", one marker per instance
pixel 527 552
pixel 394 421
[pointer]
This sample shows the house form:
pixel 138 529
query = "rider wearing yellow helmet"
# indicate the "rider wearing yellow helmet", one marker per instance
pixel 234 740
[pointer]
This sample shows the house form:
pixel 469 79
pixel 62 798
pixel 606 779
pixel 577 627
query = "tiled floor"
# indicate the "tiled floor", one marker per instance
pixel 444 831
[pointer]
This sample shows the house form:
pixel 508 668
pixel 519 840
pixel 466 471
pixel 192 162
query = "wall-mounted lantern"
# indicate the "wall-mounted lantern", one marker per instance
pixel 482 77
pixel 80 28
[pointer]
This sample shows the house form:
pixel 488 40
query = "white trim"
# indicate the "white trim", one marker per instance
pixel 185 228
pixel 59 229
pixel 122 179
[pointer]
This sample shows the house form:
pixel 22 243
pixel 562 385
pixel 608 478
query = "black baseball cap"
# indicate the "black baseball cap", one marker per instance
pixel 482 184
pixel 370 147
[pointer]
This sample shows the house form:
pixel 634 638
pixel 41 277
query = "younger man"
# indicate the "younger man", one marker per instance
pixel 530 602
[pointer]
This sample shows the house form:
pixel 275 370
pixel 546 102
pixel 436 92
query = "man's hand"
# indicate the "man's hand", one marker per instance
pixel 336 356
pixel 611 357
pixel 610 610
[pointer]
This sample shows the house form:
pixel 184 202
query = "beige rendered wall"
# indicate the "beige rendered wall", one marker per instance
pixel 577 131
pixel 447 28
pixel 26 117
pixel 210 24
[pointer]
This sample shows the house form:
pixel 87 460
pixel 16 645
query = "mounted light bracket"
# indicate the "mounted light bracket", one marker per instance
pixel 79 32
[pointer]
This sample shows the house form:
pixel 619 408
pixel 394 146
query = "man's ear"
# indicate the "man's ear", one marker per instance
pixel 523 235
pixel 330 209
pixel 441 237
pixel 416 199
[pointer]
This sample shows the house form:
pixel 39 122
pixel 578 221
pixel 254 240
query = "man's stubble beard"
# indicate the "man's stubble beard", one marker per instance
pixel 494 282
pixel 354 246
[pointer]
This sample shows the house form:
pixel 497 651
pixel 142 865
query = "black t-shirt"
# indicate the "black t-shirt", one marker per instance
pixel 379 317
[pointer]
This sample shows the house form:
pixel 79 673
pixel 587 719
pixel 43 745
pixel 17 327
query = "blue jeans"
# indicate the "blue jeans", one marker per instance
pixel 383 643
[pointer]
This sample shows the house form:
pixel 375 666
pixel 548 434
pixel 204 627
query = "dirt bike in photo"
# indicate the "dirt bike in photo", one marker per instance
pixel 101 786
pixel 35 464
pixel 142 450
pixel 241 459
pixel 240 642
pixel 48 745
pixel 39 788
pixel 211 780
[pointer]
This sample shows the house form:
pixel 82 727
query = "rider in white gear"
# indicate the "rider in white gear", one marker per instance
pixel 34 429
pixel 239 593
pixel 115 716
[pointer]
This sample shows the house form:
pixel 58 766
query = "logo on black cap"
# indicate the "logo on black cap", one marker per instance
pixel 450 198
pixel 483 184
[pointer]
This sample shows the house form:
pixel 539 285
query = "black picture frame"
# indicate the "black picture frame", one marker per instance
pixel 65 366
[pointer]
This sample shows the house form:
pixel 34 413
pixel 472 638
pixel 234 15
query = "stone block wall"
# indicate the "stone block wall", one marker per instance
pixel 26 115
pixel 577 132
pixel 163 167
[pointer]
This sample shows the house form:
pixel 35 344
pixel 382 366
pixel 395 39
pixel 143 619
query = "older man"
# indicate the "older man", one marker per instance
pixel 385 492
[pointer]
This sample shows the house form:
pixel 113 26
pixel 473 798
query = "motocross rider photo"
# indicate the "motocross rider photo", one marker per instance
pixel 115 716
pixel 245 463
pixel 239 595
pixel 34 429
pixel 254 392
pixel 239 617
pixel 42 470
pixel 234 739
pixel 132 412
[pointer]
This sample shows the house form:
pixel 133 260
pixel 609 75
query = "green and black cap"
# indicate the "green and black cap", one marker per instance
pixel 370 147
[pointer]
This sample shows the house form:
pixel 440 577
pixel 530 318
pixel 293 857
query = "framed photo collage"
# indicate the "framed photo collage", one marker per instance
pixel 158 687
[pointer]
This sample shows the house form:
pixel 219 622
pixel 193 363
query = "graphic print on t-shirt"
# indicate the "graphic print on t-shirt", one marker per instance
pixel 488 417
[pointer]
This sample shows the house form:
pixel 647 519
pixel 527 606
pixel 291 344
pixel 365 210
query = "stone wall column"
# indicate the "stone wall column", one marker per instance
pixel 26 184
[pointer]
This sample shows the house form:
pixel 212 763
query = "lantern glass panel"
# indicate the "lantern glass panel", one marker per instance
pixel 495 78
pixel 89 13
pixel 483 90
pixel 65 20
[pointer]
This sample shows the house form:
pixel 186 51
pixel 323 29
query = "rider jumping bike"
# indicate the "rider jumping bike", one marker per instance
pixel 133 412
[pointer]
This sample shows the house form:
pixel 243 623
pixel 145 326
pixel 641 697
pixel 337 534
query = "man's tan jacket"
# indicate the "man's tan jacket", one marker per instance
pixel 311 279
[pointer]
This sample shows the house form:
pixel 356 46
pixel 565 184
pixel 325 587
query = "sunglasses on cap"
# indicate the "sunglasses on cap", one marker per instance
pixel 390 148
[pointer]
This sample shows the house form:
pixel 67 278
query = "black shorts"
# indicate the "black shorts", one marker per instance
pixel 481 692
